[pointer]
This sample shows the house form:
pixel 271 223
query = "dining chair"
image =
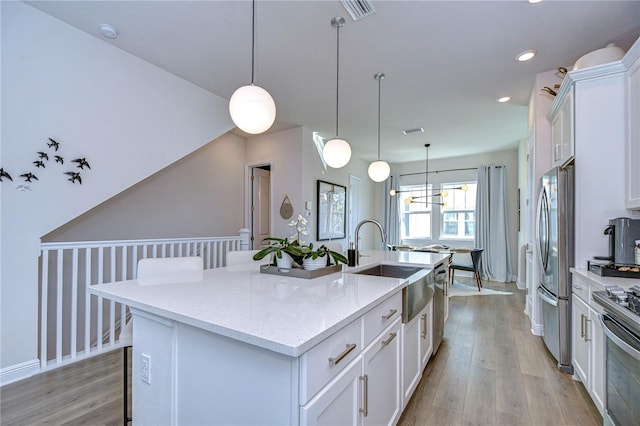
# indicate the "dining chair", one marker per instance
pixel 245 257
pixel 476 259
pixel 147 268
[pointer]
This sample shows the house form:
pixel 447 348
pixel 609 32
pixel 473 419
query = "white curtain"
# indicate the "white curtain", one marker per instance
pixel 391 217
pixel 492 232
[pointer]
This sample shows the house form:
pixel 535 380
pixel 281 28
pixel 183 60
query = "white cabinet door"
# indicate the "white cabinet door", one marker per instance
pixel 338 402
pixel 567 151
pixel 381 392
pixel 562 132
pixel 411 362
pixel 632 188
pixel 426 334
pixel 596 337
pixel 580 318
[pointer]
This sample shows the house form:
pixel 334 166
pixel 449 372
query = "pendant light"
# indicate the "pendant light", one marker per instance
pixel 337 152
pixel 379 170
pixel 410 199
pixel 251 107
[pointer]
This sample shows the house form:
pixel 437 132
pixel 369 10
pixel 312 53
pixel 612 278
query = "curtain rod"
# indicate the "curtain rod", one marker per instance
pixel 441 171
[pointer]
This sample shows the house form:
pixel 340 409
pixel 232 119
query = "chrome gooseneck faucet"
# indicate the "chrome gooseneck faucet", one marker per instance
pixel 362 222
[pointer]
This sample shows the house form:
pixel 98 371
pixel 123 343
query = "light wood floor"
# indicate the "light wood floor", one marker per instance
pixel 489 370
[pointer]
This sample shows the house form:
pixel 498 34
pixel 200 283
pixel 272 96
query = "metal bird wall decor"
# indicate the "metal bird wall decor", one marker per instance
pixel 82 163
pixel 28 176
pixel 40 163
pixel 4 174
pixel 53 144
pixel 75 177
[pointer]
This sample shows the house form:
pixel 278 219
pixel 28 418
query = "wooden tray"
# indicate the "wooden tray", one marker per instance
pixel 299 272
pixel 612 271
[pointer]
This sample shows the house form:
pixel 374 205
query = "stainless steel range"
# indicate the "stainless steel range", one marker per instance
pixel 621 325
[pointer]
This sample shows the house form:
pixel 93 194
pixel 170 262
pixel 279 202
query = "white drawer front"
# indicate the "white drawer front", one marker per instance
pixel 381 317
pixel 580 287
pixel 325 360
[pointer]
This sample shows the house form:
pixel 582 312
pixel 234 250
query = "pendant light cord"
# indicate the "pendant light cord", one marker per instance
pixel 253 41
pixel 379 85
pixel 337 76
pixel 426 175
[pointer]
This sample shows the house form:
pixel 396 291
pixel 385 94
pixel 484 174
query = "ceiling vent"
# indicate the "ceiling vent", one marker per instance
pixel 409 131
pixel 358 9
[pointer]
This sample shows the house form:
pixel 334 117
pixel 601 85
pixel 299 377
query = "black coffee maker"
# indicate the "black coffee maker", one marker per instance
pixel 622 232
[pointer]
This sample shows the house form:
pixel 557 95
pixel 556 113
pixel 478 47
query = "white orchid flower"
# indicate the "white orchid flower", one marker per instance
pixel 302 220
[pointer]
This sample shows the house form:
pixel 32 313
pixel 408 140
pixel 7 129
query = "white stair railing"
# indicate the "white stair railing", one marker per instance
pixel 74 324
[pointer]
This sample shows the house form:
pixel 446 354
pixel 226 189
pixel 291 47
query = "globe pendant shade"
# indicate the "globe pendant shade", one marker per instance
pixel 336 153
pixel 252 109
pixel 379 171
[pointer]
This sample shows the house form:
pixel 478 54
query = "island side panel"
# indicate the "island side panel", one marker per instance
pixel 221 381
pixel 154 337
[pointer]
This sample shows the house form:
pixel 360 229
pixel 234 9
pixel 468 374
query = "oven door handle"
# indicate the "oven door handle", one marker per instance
pixel 635 353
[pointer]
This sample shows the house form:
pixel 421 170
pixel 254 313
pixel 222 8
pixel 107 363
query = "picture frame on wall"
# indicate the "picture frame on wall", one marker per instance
pixel 331 211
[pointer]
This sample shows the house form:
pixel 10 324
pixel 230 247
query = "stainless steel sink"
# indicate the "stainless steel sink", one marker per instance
pixel 416 295
pixel 390 271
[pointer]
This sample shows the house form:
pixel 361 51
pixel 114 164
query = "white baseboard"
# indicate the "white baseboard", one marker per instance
pixel 521 284
pixel 537 329
pixel 16 372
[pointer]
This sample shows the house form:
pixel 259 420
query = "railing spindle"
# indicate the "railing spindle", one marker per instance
pixel 74 305
pixel 43 315
pixel 62 291
pixel 59 293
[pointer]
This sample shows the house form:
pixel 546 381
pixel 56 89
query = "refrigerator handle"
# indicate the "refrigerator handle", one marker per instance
pixel 546 297
pixel 539 229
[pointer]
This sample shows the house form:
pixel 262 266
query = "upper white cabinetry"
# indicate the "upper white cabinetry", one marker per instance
pixel 590 120
pixel 562 145
pixel 633 128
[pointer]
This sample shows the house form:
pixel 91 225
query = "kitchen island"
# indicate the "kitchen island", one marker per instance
pixel 236 346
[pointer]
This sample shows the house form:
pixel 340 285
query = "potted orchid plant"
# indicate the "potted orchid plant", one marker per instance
pixel 293 249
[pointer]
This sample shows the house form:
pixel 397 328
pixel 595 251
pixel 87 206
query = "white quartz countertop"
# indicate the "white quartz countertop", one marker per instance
pixel 606 281
pixel 282 314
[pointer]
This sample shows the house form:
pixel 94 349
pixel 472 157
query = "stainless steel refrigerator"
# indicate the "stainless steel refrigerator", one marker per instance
pixel 554 240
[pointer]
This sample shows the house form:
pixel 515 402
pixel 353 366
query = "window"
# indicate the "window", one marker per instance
pixel 458 212
pixel 415 216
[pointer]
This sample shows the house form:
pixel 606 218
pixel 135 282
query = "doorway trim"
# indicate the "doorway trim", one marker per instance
pixel 248 167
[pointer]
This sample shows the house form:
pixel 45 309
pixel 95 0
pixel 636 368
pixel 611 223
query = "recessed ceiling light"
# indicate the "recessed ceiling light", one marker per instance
pixel 109 31
pixel 534 1
pixel 418 130
pixel 526 55
pixel 504 99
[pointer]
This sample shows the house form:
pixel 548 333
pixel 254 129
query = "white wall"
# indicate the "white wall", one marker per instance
pixel 295 169
pixel 127 117
pixel 509 158
pixel 283 151
pixel 199 195
pixel 522 235
pixel 314 171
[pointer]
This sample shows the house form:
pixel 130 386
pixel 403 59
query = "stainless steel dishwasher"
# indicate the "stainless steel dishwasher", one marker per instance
pixel 439 276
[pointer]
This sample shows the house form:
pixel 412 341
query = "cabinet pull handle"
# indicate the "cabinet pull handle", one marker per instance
pixel 577 287
pixel 586 330
pixel 582 325
pixel 336 360
pixel 423 334
pixel 390 314
pixel 365 380
pixel 391 337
